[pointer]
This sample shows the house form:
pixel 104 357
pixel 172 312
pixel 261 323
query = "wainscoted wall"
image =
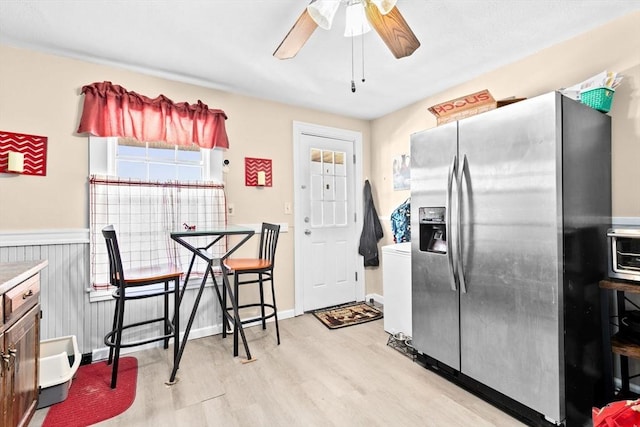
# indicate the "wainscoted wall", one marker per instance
pixel 65 283
pixel 66 307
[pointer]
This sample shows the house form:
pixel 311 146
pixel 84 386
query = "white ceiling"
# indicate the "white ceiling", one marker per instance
pixel 228 44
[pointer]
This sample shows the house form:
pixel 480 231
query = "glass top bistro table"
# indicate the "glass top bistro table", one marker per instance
pixel 184 238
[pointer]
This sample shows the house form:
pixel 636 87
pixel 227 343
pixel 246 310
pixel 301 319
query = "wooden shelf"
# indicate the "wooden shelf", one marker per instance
pixel 630 287
pixel 618 344
pixel 624 347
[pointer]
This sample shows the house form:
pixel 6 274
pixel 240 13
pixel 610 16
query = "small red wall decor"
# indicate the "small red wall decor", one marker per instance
pixel 33 147
pixel 252 169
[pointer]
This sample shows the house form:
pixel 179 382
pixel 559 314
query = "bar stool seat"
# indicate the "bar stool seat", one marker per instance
pixel 247 264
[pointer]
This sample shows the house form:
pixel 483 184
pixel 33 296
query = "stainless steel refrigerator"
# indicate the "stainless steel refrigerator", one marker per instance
pixel 509 215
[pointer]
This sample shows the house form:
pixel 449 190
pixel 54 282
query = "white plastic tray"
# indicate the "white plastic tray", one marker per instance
pixel 55 370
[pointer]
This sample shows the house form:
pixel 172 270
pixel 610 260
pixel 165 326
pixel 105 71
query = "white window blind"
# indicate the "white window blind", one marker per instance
pixel 143 214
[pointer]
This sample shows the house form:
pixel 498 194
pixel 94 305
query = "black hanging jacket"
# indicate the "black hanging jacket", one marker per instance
pixel 371 230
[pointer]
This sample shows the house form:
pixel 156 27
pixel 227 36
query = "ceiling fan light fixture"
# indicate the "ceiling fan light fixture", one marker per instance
pixel 384 6
pixel 356 20
pixel 391 27
pixel 323 11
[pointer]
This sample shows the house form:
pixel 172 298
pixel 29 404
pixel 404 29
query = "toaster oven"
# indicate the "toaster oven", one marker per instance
pixel 624 252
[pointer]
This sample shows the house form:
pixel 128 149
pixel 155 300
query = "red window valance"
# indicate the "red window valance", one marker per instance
pixel 111 110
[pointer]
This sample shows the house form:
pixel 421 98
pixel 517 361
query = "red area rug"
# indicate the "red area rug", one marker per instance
pixel 91 398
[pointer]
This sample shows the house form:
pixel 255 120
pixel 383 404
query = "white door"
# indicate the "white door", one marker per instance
pixel 327 216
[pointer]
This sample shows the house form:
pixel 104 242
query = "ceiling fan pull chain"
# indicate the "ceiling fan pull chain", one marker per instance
pixel 362 57
pixel 353 83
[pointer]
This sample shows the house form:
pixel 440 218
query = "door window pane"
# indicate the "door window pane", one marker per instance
pixel 341 167
pixel 327 162
pixel 328 213
pixel 316 213
pixel 316 161
pixel 316 187
pixel 328 189
pixel 341 213
pixel 340 184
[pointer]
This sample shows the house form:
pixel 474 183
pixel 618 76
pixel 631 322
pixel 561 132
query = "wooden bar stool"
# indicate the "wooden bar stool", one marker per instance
pixel 138 284
pixel 260 270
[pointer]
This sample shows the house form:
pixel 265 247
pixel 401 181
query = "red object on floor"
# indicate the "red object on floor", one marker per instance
pixel 91 398
pixel 624 413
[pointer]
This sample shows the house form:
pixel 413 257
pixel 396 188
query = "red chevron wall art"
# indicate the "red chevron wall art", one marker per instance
pixel 33 147
pixel 251 168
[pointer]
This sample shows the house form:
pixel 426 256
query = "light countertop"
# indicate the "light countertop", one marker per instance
pixel 13 273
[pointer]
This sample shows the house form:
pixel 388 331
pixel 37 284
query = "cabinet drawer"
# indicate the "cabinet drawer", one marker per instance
pixel 22 297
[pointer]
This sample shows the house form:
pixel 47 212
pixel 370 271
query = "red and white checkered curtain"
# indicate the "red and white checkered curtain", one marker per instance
pixel 143 214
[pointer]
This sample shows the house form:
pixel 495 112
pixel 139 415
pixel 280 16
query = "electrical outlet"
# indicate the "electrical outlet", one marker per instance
pixel 287 208
pixel 231 209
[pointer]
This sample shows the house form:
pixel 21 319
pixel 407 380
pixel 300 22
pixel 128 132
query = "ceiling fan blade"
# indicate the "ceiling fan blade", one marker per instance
pixel 393 30
pixel 296 37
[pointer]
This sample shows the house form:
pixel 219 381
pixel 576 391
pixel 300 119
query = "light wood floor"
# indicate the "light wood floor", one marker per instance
pixel 316 377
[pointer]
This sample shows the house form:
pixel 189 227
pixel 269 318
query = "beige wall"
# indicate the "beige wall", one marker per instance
pixel 40 94
pixel 614 47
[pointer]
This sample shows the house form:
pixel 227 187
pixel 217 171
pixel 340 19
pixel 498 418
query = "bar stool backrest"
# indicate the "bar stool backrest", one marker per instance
pixel 116 271
pixel 269 242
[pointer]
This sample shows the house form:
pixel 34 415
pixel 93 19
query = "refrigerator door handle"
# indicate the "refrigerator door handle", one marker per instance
pixel 460 266
pixel 453 171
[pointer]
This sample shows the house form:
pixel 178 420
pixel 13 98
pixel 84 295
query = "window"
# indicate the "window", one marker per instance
pixel 147 190
pixel 128 158
pixel 158 161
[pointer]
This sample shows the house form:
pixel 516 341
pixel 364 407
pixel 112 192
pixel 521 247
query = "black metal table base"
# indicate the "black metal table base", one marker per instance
pixel 203 254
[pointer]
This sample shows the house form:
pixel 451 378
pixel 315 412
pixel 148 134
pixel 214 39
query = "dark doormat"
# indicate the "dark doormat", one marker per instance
pixel 347 315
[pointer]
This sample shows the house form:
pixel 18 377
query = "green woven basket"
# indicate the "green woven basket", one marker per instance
pixel 599 98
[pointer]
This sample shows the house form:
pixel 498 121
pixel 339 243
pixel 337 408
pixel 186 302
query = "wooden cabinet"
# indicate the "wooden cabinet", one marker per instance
pixel 22 342
pixel 19 341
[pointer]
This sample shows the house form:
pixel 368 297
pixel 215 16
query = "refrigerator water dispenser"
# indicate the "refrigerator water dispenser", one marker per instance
pixel 433 230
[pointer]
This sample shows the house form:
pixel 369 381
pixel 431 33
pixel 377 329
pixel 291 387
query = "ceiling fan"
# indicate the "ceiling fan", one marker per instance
pixel 382 15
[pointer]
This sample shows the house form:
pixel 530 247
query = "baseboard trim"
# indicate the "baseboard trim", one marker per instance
pixel 376 298
pixel 103 352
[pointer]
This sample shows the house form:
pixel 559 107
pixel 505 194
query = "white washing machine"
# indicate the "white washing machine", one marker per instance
pixel 396 286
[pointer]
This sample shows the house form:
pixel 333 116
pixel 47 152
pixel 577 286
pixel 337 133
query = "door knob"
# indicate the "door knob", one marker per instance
pixel 307 232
